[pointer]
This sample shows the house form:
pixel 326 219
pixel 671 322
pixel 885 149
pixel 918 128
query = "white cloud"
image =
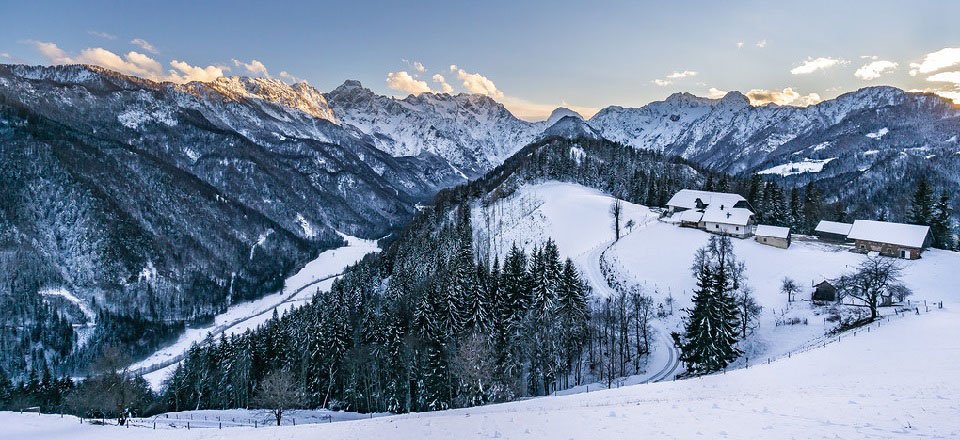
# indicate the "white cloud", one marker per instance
pixel 761 44
pixel 254 67
pixel 419 67
pixel 739 45
pixel 948 77
pixel 662 82
pixel 953 96
pixel 131 63
pixel 715 93
pixel 683 74
pixel 477 83
pixel 932 62
pixel 814 64
pixel 145 45
pixel 5 55
pixel 287 76
pixel 403 82
pixel 53 53
pixel 103 35
pixel 442 82
pixel 186 73
pixel 786 96
pixel 874 70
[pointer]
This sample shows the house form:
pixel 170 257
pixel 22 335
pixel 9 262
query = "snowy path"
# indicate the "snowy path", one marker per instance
pixel 664 361
pixel 317 274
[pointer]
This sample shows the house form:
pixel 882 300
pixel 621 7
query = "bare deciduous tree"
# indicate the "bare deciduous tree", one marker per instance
pixel 790 288
pixel 616 211
pixel 278 392
pixel 872 282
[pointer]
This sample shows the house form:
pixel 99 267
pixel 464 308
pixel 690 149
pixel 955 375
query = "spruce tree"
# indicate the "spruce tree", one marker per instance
pixel 941 225
pixel 708 343
pixel 921 207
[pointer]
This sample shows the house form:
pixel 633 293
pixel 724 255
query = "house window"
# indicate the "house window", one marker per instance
pixel 738 228
pixel 716 226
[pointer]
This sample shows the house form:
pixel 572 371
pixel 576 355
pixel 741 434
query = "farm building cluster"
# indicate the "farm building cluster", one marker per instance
pixel 731 214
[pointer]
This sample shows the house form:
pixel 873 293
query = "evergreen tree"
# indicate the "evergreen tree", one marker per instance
pixel 795 219
pixel 921 207
pixel 941 225
pixel 708 343
pixel 812 208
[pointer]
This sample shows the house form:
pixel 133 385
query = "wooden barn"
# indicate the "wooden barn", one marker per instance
pixel 832 231
pixel 824 291
pixel 891 239
pixel 775 236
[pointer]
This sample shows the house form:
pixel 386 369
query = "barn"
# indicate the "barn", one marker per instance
pixel 832 231
pixel 891 239
pixel 824 291
pixel 775 236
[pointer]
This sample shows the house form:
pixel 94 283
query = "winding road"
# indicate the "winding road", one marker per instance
pixel 664 361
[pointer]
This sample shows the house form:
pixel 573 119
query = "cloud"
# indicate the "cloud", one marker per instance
pixel 145 45
pixel 948 77
pixel 532 111
pixel 186 73
pixel 761 44
pixel 715 93
pixel 786 96
pixel 874 70
pixel 254 67
pixel 131 63
pixel 419 67
pixel 814 64
pixel 453 67
pixel 403 82
pixel 442 82
pixel 932 62
pixel 5 55
pixel 53 53
pixel 683 74
pixel 479 84
pixel 287 76
pixel 103 35
pixel 739 45
pixel 662 82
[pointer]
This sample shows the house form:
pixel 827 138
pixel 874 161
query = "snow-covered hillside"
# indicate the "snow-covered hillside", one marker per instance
pixel 900 380
pixel 318 274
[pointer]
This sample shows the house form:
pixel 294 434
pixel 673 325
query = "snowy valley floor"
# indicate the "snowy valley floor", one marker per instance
pixel 901 379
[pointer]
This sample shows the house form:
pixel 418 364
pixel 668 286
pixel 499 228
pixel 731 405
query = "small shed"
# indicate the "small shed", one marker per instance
pixel 824 291
pixel 898 240
pixel 690 218
pixel 832 231
pixel 775 236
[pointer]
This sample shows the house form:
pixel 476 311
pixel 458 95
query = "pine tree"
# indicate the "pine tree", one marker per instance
pixel 708 343
pixel 812 208
pixel 941 225
pixel 921 208
pixel 795 220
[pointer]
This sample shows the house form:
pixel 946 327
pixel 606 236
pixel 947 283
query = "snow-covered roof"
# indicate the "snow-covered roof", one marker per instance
pixel 833 227
pixel 729 216
pixel 687 198
pixel 691 216
pixel 772 231
pixel 887 232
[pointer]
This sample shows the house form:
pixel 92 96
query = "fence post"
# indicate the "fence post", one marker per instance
pixel 254 423
pixel 188 426
pixel 154 424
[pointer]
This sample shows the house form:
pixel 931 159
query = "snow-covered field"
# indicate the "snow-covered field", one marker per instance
pixel 900 380
pixel 804 166
pixel 317 274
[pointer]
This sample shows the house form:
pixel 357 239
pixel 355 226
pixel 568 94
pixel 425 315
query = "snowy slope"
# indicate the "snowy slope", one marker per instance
pixel 901 380
pixel 316 275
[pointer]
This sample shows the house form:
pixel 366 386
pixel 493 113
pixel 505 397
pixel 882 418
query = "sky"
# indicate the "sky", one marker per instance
pixel 531 56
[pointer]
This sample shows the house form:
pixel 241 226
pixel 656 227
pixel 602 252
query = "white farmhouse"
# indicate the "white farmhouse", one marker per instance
pixel 719 213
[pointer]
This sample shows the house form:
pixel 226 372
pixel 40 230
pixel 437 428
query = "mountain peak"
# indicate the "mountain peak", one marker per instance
pixel 735 99
pixel 560 113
